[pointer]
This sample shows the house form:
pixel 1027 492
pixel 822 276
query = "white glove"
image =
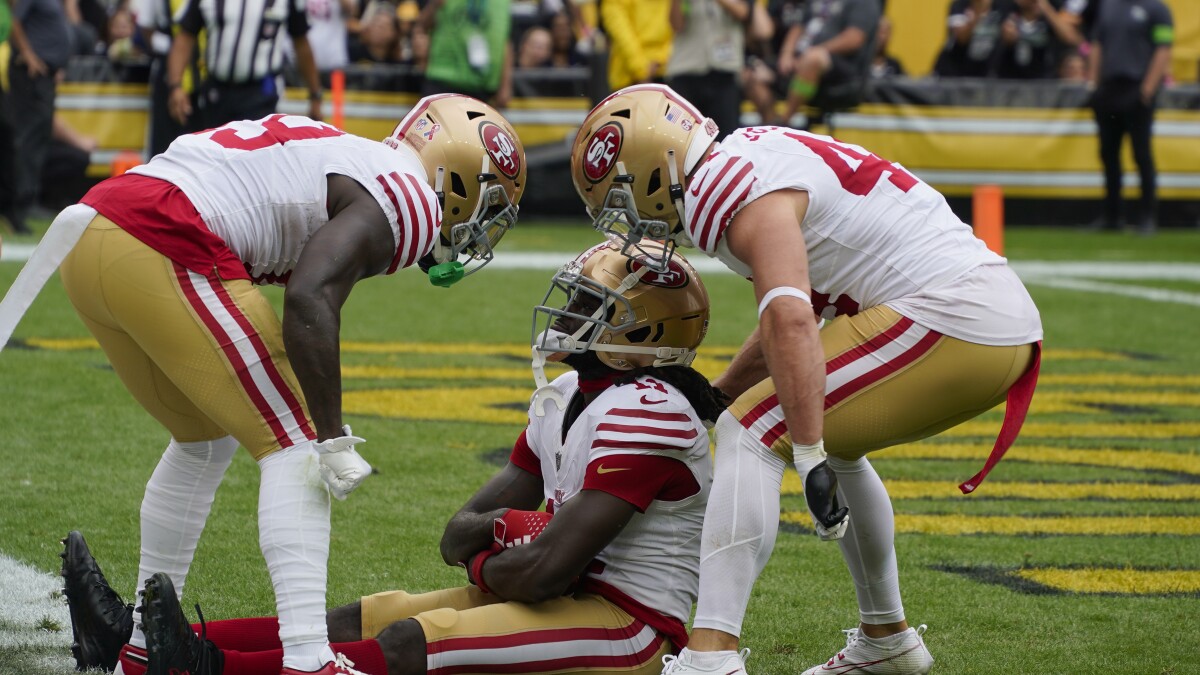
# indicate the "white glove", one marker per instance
pixel 341 467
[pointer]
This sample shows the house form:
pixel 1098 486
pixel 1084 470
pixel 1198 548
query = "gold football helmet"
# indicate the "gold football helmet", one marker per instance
pixel 629 313
pixel 476 165
pixel 630 163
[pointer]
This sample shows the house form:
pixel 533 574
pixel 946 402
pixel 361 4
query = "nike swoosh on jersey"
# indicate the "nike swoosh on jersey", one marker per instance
pixel 646 401
pixel 602 469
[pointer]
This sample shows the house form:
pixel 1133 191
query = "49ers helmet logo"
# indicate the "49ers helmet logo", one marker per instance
pixel 675 276
pixel 501 148
pixel 602 151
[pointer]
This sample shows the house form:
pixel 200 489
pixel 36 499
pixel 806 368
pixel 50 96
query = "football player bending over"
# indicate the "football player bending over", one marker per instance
pixel 927 329
pixel 164 273
pixel 603 579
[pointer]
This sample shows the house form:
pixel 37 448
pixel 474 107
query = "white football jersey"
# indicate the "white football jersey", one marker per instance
pixel 656 558
pixel 874 233
pixel 261 187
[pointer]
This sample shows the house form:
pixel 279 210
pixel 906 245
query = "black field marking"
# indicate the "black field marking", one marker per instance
pixel 1007 577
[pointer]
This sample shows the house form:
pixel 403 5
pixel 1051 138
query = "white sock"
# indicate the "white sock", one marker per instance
pixel 869 545
pixel 704 660
pixel 293 531
pixel 740 525
pixel 179 496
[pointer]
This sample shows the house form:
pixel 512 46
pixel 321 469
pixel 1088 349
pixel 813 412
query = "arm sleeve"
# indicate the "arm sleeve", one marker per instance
pixel 297 20
pixel 190 18
pixel 523 456
pixel 640 479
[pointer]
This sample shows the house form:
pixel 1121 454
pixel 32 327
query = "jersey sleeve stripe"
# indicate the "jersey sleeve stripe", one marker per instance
pixel 416 228
pixel 722 221
pixel 387 189
pixel 653 431
pixel 433 217
pixel 635 445
pixel 722 204
pixel 649 415
pixel 702 200
pixel 408 227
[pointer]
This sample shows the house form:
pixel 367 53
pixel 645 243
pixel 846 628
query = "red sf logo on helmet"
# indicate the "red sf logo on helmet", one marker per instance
pixel 602 150
pixel 675 276
pixel 502 149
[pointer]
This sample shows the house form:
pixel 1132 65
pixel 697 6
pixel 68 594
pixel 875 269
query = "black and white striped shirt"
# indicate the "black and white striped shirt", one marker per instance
pixel 244 42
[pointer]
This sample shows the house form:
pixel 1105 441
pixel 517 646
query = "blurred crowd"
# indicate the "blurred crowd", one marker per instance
pixel 784 56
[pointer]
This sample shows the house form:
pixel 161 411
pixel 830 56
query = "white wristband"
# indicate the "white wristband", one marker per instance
pixel 780 291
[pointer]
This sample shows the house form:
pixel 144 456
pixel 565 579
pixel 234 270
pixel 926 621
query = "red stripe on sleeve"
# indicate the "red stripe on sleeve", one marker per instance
pixel 649 415
pixel 408 228
pixel 723 220
pixel 523 456
pixel 640 479
pixel 721 204
pixel 656 431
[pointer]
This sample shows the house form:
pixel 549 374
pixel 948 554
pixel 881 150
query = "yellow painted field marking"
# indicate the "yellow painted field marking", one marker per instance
pixel 1145 460
pixel 1052 401
pixel 1113 380
pixel 1109 580
pixel 954 524
pixel 63 344
pixel 1080 430
pixel 474 404
pixel 920 489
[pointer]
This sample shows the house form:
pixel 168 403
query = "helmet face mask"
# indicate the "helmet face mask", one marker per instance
pixel 627 311
pixel 630 161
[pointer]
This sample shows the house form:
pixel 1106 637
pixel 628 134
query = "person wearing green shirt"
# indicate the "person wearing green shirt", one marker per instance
pixel 469 49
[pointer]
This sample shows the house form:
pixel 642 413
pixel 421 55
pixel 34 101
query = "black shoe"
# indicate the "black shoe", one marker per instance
pixel 101 621
pixel 173 648
pixel 820 491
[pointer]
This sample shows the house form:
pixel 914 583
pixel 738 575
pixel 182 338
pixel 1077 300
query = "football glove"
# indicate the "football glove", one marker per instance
pixel 341 467
pixel 820 492
pixel 515 528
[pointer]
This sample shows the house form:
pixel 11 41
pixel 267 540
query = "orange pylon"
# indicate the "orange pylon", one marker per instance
pixel 988 215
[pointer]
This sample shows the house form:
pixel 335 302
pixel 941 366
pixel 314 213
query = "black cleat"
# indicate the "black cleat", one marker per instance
pixel 171 644
pixel 101 622
pixel 820 491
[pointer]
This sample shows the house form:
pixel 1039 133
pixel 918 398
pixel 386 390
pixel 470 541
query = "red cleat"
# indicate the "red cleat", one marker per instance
pixel 339 666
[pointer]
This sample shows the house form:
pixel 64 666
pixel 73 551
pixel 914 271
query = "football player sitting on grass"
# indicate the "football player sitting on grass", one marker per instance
pixel 602 580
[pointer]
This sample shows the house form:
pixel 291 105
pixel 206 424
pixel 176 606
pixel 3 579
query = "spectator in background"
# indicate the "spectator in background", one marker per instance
pixel 1028 41
pixel 41 38
pixel 121 45
pixel 1073 68
pixel 470 51
pixel 7 187
pixel 378 39
pixel 1129 61
pixel 639 34
pixel 707 56
pixel 328 32
pixel 414 42
pixel 154 20
pixel 535 48
pixel 883 65
pixel 563 51
pixel 973 28
pixel 241 83
pixel 64 175
pixel 832 49
pixel 762 82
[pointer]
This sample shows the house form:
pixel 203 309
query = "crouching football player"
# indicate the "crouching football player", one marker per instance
pixel 603 579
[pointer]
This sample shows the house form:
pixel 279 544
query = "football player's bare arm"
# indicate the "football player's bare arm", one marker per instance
pixel 356 243
pixel 179 105
pixel 748 368
pixel 546 567
pixel 766 236
pixel 472 529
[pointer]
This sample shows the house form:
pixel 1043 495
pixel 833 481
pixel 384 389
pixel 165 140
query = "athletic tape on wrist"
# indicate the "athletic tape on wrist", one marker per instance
pixel 790 291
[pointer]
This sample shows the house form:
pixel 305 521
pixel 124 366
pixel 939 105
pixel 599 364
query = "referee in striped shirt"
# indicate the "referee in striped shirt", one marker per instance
pixel 244 53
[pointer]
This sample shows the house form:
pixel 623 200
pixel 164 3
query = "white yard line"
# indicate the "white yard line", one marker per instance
pixel 31 601
pixel 1065 274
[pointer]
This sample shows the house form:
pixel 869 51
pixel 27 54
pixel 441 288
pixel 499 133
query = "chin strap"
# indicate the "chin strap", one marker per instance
pixel 676 193
pixel 544 391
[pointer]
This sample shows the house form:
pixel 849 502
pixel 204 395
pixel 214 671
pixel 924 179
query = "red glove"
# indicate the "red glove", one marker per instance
pixel 518 527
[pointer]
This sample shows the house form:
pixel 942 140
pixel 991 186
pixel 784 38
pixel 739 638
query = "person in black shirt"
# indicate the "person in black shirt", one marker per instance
pixel 1131 52
pixel 973 37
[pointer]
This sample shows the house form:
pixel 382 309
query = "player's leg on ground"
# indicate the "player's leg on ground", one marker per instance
pixel 513 637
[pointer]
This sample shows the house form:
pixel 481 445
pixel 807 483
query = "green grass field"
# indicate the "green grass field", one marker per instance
pixel 1080 554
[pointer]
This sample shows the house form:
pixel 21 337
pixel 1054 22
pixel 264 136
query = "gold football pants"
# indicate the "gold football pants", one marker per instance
pixel 204 356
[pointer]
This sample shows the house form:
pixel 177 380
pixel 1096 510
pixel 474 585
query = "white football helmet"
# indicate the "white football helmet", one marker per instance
pixel 476 165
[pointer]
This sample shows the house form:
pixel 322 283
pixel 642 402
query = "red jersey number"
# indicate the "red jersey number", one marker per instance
pixel 860 179
pixel 275 132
